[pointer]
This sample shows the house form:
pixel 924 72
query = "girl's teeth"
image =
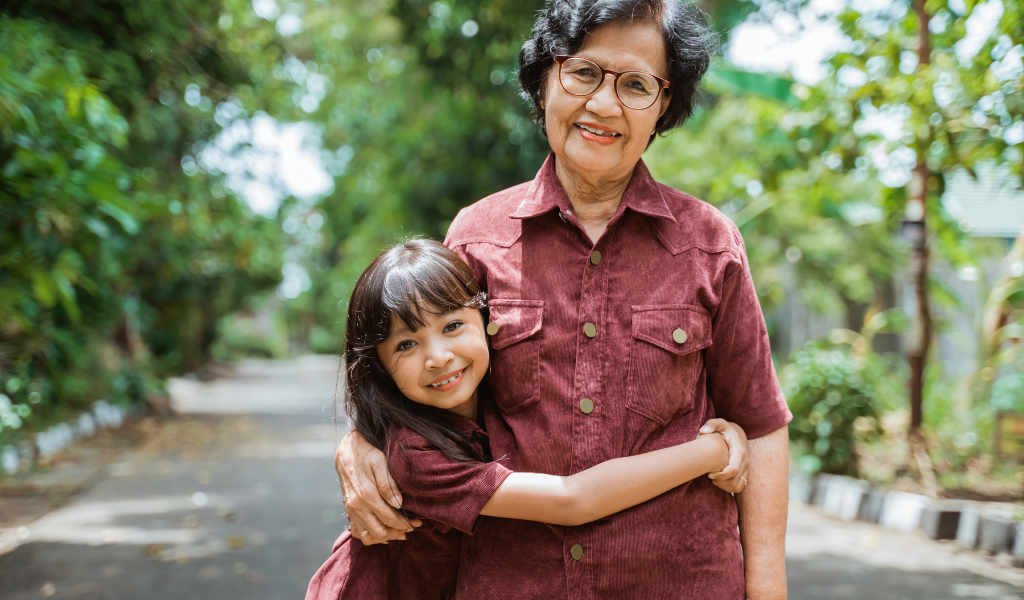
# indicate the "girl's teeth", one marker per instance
pixel 446 381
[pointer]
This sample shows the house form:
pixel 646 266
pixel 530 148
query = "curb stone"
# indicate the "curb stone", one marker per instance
pixel 984 525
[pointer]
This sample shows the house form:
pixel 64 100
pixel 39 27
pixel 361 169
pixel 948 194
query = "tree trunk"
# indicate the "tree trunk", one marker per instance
pixel 921 333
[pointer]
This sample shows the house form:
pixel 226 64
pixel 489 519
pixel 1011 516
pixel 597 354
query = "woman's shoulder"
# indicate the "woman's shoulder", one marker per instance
pixel 489 220
pixel 698 224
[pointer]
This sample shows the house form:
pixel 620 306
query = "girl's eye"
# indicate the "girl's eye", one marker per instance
pixel 404 345
pixel 453 326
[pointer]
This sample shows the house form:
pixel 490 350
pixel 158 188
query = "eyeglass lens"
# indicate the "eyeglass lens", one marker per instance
pixel 635 89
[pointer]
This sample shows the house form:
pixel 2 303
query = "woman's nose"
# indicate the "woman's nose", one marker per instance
pixel 603 101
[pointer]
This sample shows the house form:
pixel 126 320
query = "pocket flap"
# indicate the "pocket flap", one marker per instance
pixel 516 319
pixel 658 325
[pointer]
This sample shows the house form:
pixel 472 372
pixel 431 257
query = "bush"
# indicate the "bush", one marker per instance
pixel 836 395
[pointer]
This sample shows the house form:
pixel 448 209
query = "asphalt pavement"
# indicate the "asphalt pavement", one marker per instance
pixel 237 498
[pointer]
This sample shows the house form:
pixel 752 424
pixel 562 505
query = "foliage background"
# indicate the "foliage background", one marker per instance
pixel 128 253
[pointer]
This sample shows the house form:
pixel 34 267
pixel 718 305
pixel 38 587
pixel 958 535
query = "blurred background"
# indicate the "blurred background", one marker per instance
pixel 189 189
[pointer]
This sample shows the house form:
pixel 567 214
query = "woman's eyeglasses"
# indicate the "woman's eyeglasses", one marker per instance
pixel 635 89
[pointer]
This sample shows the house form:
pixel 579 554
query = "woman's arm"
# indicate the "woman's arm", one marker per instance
pixel 607 488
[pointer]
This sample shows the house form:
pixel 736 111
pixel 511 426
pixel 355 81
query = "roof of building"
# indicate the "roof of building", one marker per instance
pixel 990 206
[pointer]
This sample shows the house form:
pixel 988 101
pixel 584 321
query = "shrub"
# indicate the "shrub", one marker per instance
pixel 835 395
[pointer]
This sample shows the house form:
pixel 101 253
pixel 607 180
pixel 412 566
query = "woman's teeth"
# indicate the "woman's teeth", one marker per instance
pixel 598 131
pixel 446 381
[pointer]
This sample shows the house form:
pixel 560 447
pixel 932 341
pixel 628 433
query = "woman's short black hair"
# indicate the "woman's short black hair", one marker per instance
pixel 563 25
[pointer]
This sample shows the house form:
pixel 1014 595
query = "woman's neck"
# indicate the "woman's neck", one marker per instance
pixel 593 200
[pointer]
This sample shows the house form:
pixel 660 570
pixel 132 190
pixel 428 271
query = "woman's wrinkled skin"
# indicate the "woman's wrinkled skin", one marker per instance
pixel 594 173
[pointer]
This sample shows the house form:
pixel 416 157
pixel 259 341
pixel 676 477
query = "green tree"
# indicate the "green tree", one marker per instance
pixel 117 254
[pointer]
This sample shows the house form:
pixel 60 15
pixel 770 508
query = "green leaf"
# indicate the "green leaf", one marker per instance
pixel 44 288
pixel 734 82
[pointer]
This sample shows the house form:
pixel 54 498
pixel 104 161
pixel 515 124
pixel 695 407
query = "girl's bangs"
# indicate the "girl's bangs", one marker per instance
pixel 427 287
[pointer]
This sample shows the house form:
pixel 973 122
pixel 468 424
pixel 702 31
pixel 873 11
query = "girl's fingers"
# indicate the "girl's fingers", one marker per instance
pixel 733 485
pixel 714 425
pixel 728 472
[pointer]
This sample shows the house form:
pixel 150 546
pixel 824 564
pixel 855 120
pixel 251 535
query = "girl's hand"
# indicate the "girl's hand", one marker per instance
pixel 733 478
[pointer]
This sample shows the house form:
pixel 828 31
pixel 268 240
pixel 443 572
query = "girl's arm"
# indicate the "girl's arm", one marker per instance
pixel 607 488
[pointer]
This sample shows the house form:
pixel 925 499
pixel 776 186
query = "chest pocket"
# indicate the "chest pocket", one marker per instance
pixel 515 362
pixel 664 359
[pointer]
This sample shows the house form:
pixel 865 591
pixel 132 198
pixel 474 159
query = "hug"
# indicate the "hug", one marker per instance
pixel 528 399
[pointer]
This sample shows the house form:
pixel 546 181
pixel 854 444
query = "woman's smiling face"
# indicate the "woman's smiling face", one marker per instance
pixel 442 363
pixel 635 46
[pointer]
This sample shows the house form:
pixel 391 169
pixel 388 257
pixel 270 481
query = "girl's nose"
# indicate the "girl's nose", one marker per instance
pixel 437 355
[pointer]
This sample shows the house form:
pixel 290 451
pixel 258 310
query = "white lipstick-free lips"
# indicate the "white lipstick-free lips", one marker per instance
pixel 449 383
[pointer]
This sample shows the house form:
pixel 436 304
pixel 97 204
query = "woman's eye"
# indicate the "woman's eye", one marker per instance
pixel 638 86
pixel 453 326
pixel 404 345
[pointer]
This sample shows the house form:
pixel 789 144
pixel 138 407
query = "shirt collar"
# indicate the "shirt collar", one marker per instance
pixel 545 193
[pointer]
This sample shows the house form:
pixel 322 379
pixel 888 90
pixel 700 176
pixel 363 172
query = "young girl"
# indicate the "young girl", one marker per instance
pixel 416 353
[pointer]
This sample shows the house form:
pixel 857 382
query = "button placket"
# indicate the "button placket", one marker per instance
pixel 587 449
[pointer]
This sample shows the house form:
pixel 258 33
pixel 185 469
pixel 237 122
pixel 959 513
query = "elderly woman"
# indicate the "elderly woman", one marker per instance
pixel 622 317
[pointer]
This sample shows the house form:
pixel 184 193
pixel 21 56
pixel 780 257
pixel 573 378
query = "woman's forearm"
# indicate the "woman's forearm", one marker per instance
pixel 763 508
pixel 606 488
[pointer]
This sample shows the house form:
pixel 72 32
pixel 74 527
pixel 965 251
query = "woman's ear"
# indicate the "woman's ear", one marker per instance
pixel 666 97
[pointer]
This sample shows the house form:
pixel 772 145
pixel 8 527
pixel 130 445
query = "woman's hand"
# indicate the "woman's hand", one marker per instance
pixel 732 478
pixel 371 496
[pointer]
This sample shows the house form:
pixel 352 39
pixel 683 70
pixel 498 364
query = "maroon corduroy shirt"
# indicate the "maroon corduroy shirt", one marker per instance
pixel 447 494
pixel 607 350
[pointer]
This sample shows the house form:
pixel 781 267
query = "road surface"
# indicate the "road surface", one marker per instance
pixel 236 498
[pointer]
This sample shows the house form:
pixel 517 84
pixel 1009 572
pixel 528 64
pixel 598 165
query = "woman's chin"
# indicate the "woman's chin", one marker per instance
pixel 588 157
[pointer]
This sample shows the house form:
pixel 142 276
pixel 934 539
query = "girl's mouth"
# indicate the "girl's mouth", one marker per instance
pixel 449 382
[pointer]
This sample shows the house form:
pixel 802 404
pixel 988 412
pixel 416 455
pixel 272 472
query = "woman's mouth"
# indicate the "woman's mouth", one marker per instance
pixel 594 134
pixel 451 380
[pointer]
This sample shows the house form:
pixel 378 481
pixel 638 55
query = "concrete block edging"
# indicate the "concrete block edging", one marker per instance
pixel 983 525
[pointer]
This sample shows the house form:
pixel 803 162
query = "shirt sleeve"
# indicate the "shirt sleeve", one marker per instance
pixel 740 376
pixel 448 492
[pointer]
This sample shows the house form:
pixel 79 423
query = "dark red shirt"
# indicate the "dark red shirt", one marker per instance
pixel 447 494
pixel 658 326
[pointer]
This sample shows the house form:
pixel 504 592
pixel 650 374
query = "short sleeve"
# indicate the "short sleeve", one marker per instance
pixel 740 375
pixel 435 487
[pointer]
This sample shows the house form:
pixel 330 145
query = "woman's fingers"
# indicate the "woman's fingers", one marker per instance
pixel 360 468
pixel 370 531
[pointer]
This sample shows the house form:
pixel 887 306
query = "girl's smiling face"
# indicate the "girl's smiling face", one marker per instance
pixel 442 363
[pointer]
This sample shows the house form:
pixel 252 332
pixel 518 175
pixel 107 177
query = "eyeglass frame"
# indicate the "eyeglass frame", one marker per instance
pixel 561 58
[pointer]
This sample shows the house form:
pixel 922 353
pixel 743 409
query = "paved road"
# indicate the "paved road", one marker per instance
pixel 213 506
pixel 236 499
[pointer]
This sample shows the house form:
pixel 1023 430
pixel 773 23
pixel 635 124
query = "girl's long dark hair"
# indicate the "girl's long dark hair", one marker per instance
pixel 407 281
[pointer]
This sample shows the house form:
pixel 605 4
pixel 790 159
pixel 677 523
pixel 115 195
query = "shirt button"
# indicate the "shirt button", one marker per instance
pixel 595 257
pixel 587 406
pixel 590 329
pixel 561 215
pixel 577 552
pixel 492 328
pixel 679 336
